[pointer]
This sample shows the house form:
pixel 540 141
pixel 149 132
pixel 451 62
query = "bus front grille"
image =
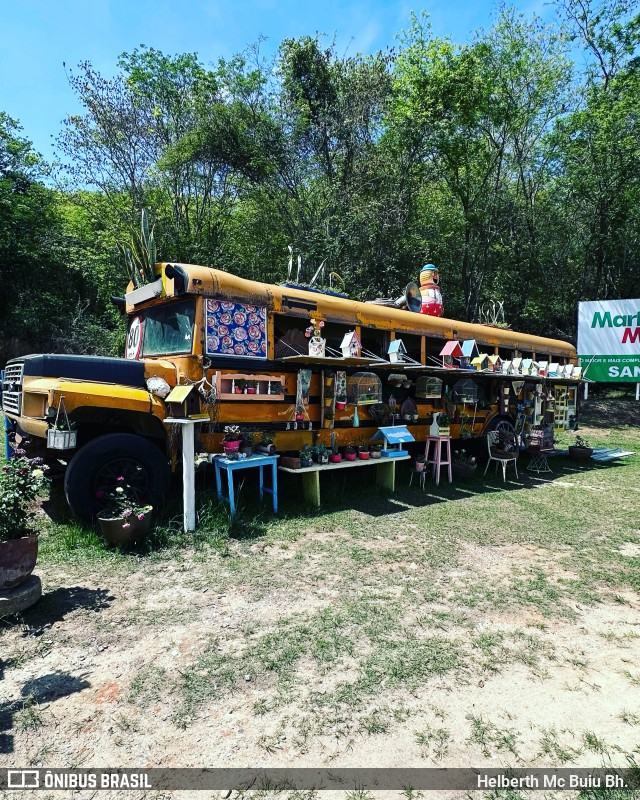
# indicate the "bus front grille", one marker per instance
pixel 12 389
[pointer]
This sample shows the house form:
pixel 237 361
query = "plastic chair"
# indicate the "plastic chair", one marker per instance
pixel 492 440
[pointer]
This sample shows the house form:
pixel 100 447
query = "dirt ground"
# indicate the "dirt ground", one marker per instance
pixel 497 629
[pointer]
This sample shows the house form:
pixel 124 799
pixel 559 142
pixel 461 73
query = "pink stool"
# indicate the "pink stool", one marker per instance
pixel 437 460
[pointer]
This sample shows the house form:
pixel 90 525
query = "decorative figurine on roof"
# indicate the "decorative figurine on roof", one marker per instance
pixel 430 291
pixel 314 333
pixel 351 345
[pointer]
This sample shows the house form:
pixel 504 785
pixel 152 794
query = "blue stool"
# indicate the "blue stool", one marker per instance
pixel 230 467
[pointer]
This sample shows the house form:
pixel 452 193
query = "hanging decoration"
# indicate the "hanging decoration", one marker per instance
pixel 317 343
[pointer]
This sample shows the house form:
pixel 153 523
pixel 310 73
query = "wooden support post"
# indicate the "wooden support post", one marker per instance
pixel 188 470
pixel 311 487
pixel 386 474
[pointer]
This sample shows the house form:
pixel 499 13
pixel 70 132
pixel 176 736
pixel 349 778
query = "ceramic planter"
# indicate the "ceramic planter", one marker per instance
pixel 363 455
pixel 350 456
pixel 306 462
pixel 340 406
pixel 376 454
pixel 420 466
pixel 251 389
pixel 335 458
pixel 231 447
pixel 17 560
pixel 113 531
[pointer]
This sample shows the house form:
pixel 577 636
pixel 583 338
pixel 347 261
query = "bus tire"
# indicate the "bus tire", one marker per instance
pixel 94 469
pixel 501 424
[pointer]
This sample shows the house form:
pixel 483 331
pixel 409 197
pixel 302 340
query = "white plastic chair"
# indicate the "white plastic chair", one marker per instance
pixel 492 440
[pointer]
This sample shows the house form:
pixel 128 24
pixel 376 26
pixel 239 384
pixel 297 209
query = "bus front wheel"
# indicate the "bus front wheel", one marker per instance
pixel 95 469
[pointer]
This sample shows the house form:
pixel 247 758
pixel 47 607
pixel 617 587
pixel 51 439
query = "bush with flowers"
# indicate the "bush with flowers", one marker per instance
pixel 22 480
pixel 122 503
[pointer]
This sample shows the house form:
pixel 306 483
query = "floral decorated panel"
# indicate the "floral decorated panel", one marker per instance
pixel 236 329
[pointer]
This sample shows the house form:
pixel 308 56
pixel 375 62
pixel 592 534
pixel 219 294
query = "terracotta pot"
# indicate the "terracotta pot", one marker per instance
pixel 113 531
pixel 335 458
pixel 17 560
pixel 350 456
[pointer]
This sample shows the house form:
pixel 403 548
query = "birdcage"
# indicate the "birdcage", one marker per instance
pixel 429 388
pixel 364 388
pixel 465 391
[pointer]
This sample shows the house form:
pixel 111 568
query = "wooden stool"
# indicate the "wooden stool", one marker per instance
pixel 437 460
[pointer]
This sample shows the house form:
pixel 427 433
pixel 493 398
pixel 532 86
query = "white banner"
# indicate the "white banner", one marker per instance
pixel 609 339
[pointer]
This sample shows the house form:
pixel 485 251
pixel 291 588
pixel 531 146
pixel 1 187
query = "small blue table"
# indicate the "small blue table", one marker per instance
pixel 221 462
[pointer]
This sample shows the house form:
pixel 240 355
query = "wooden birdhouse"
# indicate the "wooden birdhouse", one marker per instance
pixel 517 366
pixel 577 373
pixel 526 365
pixel 450 351
pixel 534 369
pixel 495 363
pixel 568 371
pixel 553 370
pixel 351 345
pixel 469 352
pixel 397 351
pixel 507 367
pixel 543 367
pixel 183 402
pixel 393 438
pixel 481 361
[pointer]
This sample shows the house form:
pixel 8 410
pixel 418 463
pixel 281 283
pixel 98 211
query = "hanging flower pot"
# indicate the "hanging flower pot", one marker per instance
pixel 340 405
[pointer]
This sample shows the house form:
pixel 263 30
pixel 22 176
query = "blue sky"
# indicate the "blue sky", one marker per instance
pixel 39 35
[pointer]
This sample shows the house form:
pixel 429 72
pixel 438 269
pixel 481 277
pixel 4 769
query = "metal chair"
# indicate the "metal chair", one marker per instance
pixel 492 439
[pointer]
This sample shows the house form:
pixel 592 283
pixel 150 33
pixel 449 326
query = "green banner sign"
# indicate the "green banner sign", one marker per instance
pixel 611 369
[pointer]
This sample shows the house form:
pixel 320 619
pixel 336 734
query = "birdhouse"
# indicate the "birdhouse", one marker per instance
pixel 397 351
pixel 577 373
pixel 393 438
pixel 507 367
pixel 517 366
pixel 553 370
pixel 535 368
pixel 495 363
pixel 543 367
pixel 469 352
pixel 525 368
pixel 568 370
pixel 450 351
pixel 481 361
pixel 183 402
pixel 350 345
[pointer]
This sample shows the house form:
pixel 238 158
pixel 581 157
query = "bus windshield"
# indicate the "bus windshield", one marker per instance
pixel 168 329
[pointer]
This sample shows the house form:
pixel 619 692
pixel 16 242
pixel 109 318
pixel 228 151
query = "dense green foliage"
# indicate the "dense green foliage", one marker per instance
pixel 514 171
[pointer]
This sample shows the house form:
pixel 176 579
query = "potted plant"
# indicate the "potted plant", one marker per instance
pixel 123 521
pixel 240 386
pixel 232 438
pixel 363 452
pixel 350 453
pixel 420 462
pixel 464 465
pixel 252 387
pixel 581 449
pixel 266 445
pixel 328 419
pixel 21 481
pixel 247 442
pixel 321 453
pixel 306 456
pixel 443 425
pixel 376 450
pixel 334 457
pixel 299 413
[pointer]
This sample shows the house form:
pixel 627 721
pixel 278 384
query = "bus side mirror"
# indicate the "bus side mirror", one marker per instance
pixel 179 277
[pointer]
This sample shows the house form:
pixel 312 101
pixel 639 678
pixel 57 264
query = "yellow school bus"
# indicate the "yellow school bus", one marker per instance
pixel 243 349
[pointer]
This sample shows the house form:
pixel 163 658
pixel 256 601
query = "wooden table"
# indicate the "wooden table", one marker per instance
pixel 223 463
pixel 385 474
